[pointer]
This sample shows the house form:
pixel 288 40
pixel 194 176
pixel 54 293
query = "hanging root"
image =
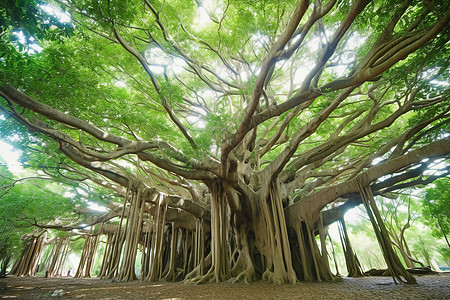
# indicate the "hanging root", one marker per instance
pixel 279 267
pixel 220 265
pixel 395 267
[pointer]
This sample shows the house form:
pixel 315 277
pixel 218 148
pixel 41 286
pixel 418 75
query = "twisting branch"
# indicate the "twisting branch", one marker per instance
pixel 7 187
pixel 266 66
pixel 157 87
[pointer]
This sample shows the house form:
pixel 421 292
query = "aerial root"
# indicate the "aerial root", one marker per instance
pixel 246 276
pixel 199 279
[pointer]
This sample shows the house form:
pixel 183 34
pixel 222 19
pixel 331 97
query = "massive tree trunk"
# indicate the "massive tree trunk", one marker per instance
pixel 265 248
pixel 271 237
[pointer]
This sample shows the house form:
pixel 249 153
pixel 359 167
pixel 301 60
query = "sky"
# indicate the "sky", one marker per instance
pixel 10 156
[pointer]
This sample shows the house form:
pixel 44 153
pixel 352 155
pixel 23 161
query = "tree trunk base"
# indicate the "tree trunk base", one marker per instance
pixel 246 276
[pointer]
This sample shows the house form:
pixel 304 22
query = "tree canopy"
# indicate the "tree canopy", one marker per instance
pixel 259 122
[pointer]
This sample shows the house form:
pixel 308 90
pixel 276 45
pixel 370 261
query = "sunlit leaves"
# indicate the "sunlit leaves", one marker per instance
pixel 26 202
pixel 204 71
pixel 436 207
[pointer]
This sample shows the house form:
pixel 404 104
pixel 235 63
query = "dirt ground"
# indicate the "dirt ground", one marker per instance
pixel 428 287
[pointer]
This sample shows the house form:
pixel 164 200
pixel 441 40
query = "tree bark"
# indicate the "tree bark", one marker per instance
pixel 29 260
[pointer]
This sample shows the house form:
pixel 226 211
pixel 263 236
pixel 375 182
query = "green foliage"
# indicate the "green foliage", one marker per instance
pixel 25 203
pixel 395 211
pixel 24 25
pixel 217 127
pixel 76 245
pixel 436 207
pixel 33 20
pixel 38 198
pixel 171 93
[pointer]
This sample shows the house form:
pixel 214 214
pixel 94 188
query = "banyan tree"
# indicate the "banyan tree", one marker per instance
pixel 234 131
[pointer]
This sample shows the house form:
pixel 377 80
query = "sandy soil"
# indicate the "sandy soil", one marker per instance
pixel 428 287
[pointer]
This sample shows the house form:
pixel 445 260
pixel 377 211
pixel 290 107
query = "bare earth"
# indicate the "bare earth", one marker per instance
pixel 428 287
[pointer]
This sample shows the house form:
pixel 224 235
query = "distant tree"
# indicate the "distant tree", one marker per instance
pixel 399 213
pixel 37 201
pixel 436 208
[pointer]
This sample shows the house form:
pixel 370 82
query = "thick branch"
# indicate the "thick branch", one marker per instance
pixel 318 200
